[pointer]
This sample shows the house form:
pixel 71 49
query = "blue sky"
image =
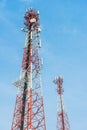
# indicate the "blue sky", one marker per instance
pixel 64 50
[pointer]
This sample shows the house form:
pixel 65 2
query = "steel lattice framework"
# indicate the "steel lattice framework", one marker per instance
pixel 29 107
pixel 62 118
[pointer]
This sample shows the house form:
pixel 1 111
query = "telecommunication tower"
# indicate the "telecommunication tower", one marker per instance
pixel 62 118
pixel 29 107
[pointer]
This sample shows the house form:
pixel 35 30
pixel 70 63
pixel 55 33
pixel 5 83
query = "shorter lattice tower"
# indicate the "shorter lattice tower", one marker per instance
pixel 62 118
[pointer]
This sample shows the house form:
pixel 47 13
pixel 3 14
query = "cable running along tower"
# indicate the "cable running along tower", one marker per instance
pixel 29 106
pixel 62 118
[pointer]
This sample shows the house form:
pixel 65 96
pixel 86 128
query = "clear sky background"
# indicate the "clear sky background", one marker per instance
pixel 64 50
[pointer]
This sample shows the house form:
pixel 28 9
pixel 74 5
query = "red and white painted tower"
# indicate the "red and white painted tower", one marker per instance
pixel 62 118
pixel 29 107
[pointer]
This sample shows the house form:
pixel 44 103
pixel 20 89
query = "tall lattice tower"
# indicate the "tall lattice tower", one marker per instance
pixel 29 106
pixel 62 118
